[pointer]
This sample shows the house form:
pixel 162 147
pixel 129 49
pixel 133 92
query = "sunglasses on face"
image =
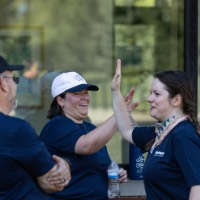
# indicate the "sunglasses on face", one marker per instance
pixel 15 79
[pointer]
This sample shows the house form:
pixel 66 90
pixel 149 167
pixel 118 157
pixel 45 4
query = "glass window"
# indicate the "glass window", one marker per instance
pixel 52 36
pixel 148 37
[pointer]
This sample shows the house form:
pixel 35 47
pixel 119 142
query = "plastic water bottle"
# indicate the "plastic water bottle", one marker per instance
pixel 113 180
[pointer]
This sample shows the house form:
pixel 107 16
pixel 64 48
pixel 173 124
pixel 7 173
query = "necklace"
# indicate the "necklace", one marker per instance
pixel 162 129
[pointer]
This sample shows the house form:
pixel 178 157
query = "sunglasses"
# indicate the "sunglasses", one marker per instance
pixel 15 79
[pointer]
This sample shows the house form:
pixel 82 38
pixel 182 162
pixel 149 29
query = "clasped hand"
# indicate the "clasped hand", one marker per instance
pixel 61 176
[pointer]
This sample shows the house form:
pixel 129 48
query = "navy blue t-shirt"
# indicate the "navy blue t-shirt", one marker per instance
pixel 22 157
pixel 89 172
pixel 174 166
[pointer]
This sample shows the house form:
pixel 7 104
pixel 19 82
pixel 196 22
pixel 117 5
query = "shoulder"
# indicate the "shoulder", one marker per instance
pixel 144 131
pixel 185 127
pixel 59 121
pixel 185 131
pixel 143 135
pixel 16 131
pixel 14 122
pixel 60 125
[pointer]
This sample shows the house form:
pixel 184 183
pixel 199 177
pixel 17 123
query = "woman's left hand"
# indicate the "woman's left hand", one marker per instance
pixel 122 175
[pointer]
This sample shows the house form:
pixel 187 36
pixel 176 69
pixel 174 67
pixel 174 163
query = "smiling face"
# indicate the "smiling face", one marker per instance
pixel 75 105
pixel 161 105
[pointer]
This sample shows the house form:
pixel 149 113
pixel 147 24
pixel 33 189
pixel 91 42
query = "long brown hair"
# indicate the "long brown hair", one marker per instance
pixel 179 82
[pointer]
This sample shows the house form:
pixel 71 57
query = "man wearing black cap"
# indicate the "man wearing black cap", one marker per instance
pixel 25 163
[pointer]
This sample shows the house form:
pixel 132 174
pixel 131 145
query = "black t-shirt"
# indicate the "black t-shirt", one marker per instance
pixel 89 172
pixel 174 166
pixel 22 157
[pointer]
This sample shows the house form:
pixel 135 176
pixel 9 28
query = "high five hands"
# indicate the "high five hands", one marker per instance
pixel 115 88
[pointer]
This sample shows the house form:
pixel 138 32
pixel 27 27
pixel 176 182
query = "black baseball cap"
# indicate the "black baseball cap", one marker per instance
pixel 4 66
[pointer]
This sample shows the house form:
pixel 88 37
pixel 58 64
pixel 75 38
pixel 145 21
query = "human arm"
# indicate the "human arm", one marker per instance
pixel 97 138
pixel 195 192
pixel 33 155
pixel 125 121
pixel 57 177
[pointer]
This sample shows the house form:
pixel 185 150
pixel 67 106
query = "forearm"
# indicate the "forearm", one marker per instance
pixel 96 139
pixel 44 183
pixel 195 193
pixel 125 121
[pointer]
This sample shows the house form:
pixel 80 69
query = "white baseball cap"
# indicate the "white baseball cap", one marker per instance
pixel 70 82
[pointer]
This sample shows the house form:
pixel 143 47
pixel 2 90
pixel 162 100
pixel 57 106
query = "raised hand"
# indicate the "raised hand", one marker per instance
pixel 115 86
pixel 123 106
pixel 116 81
pixel 128 100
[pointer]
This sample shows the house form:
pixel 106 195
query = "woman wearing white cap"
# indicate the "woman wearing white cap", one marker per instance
pixel 68 135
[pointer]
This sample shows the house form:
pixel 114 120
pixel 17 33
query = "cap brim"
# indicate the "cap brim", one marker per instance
pixel 15 67
pixel 81 87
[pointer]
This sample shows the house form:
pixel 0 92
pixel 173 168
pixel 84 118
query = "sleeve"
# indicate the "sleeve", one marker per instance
pixel 30 152
pixel 60 136
pixel 187 154
pixel 142 135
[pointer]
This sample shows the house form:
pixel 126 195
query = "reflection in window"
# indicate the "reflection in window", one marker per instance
pixel 148 37
pixel 146 34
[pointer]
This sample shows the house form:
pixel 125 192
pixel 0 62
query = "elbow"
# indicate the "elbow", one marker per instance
pixel 86 149
pixel 127 135
pixel 86 146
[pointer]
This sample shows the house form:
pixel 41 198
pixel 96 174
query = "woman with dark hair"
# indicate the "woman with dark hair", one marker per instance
pixel 68 134
pixel 172 167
